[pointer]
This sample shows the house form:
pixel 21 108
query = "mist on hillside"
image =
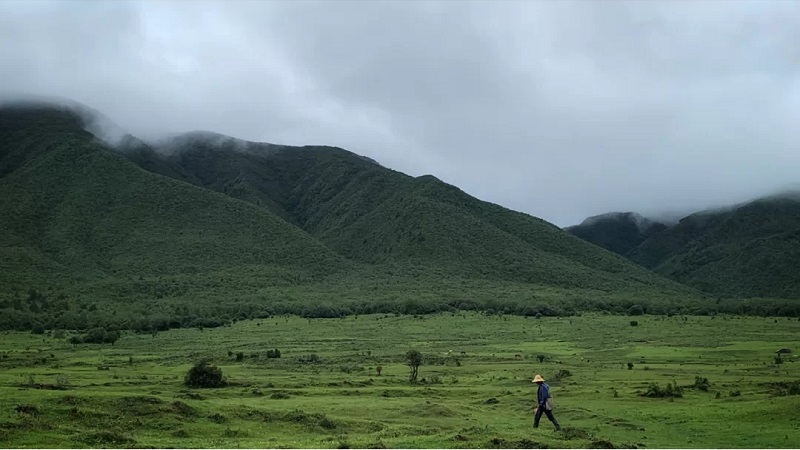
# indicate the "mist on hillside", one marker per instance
pixel 560 110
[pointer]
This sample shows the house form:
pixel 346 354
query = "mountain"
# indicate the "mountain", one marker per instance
pixel 619 232
pixel 72 211
pixel 373 215
pixel 748 250
pixel 153 235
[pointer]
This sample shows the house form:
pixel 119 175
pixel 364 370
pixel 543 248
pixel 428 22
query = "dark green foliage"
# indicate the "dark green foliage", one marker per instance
pixel 217 418
pixel 203 375
pixel 701 383
pixel 561 374
pixel 371 214
pixel 309 359
pixel 274 353
pixel 413 360
pixel 107 438
pixel 635 310
pixel 101 336
pixel 630 366
pixel 634 323
pixel 748 251
pixel 541 358
pixel 31 410
pixel 735 393
pixel 671 390
pixel 239 356
pixel 618 232
pixel 89 240
pixel 786 388
pixel 778 359
pixel 154 249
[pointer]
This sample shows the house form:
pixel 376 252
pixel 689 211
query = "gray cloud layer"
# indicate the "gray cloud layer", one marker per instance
pixel 557 108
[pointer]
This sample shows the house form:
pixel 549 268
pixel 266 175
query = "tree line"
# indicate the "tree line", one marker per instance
pixel 37 311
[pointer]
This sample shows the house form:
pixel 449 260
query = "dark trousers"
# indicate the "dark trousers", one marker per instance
pixel 549 414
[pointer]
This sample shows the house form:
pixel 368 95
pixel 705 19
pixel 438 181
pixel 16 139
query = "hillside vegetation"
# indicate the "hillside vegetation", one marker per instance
pixel 751 250
pixel 373 215
pixel 204 229
pixel 619 232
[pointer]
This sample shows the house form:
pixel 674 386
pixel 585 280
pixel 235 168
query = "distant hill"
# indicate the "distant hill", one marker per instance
pixel 749 250
pixel 620 232
pixel 155 235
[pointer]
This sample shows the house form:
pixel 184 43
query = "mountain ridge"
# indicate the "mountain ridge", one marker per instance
pixel 149 236
pixel 749 249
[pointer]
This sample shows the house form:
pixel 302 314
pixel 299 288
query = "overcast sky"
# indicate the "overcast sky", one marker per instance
pixel 559 109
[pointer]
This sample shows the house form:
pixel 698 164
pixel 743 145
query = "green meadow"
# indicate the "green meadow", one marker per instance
pixel 474 388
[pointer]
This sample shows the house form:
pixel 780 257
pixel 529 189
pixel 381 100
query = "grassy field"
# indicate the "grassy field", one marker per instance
pixel 474 388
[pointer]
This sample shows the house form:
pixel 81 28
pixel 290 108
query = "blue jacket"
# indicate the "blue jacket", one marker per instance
pixel 543 394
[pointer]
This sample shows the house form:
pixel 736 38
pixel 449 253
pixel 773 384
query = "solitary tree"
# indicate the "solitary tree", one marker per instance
pixel 414 360
pixel 379 369
pixel 202 375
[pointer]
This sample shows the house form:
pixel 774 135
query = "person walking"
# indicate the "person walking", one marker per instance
pixel 544 403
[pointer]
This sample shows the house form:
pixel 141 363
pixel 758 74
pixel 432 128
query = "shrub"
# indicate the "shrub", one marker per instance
pixel 62 381
pixel 786 388
pixel 671 390
pixel 630 366
pixel 701 383
pixel 309 359
pixel 561 374
pixel 735 393
pixel 239 356
pixel 274 353
pixel 202 375
pixel 541 358
pixel 635 310
pixel 634 323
